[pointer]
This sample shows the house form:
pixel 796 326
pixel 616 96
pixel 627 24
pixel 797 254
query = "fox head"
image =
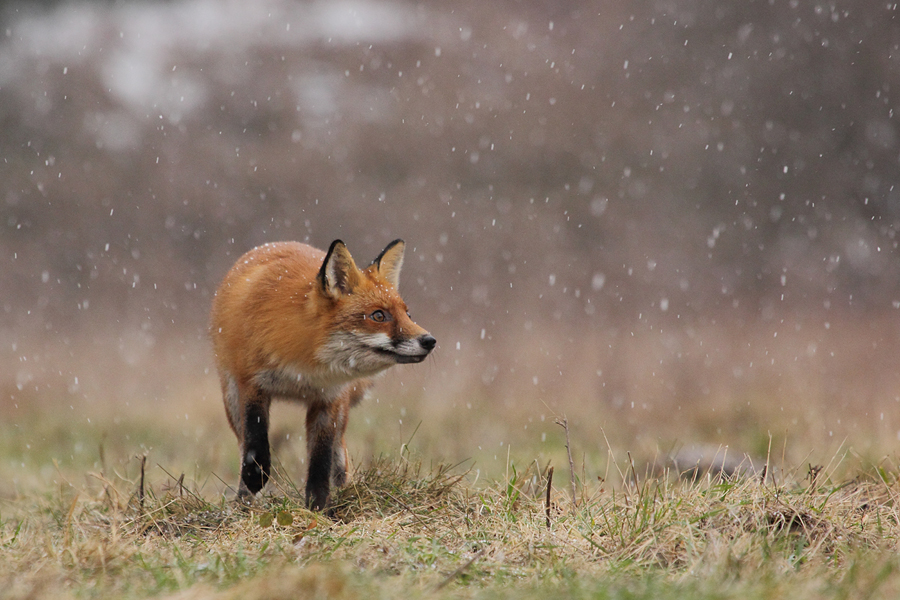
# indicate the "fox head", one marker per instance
pixel 371 327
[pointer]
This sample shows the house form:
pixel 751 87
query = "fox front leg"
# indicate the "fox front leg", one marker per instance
pixel 339 460
pixel 256 461
pixel 325 426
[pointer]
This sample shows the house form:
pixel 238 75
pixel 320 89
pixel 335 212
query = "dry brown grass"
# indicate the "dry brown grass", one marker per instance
pixel 71 524
pixel 822 523
pixel 431 533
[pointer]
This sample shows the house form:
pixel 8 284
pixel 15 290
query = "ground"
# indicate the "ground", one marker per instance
pixel 130 526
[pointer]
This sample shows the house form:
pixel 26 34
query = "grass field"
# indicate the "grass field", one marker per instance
pixel 112 516
pixel 451 466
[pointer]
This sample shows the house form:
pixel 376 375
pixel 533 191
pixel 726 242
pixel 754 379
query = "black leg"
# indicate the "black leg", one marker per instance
pixel 320 444
pixel 256 460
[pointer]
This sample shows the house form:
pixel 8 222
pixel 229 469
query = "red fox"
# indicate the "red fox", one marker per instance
pixel 290 321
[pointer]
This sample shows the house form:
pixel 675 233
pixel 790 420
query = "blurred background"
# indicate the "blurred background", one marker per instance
pixel 672 222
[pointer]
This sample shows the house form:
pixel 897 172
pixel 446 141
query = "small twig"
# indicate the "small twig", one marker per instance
pixel 565 425
pixel 69 520
pixel 141 486
pixel 180 482
pixel 228 487
pixel 612 458
pixel 549 487
pixel 410 510
pixel 459 571
pixel 634 475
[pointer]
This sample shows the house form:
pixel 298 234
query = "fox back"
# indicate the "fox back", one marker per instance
pixel 290 321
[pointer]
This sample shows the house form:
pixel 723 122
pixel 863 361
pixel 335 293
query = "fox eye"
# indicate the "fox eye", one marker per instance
pixel 378 316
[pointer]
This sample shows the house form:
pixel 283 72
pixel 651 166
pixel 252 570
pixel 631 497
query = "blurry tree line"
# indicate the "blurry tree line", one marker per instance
pixel 557 160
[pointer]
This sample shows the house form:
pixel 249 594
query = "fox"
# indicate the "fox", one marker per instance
pixel 292 322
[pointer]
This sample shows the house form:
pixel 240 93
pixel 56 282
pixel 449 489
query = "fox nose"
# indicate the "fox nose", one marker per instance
pixel 427 341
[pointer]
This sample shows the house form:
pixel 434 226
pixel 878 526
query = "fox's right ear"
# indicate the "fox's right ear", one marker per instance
pixel 390 261
pixel 339 275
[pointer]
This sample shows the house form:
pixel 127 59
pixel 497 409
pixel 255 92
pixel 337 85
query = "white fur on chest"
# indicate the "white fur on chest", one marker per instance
pixel 288 383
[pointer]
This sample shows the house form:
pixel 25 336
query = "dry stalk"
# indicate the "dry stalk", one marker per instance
pixel 141 485
pixel 460 570
pixel 549 487
pixel 412 512
pixel 565 425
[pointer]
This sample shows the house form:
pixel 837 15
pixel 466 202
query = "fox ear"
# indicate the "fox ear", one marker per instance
pixel 390 261
pixel 339 275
